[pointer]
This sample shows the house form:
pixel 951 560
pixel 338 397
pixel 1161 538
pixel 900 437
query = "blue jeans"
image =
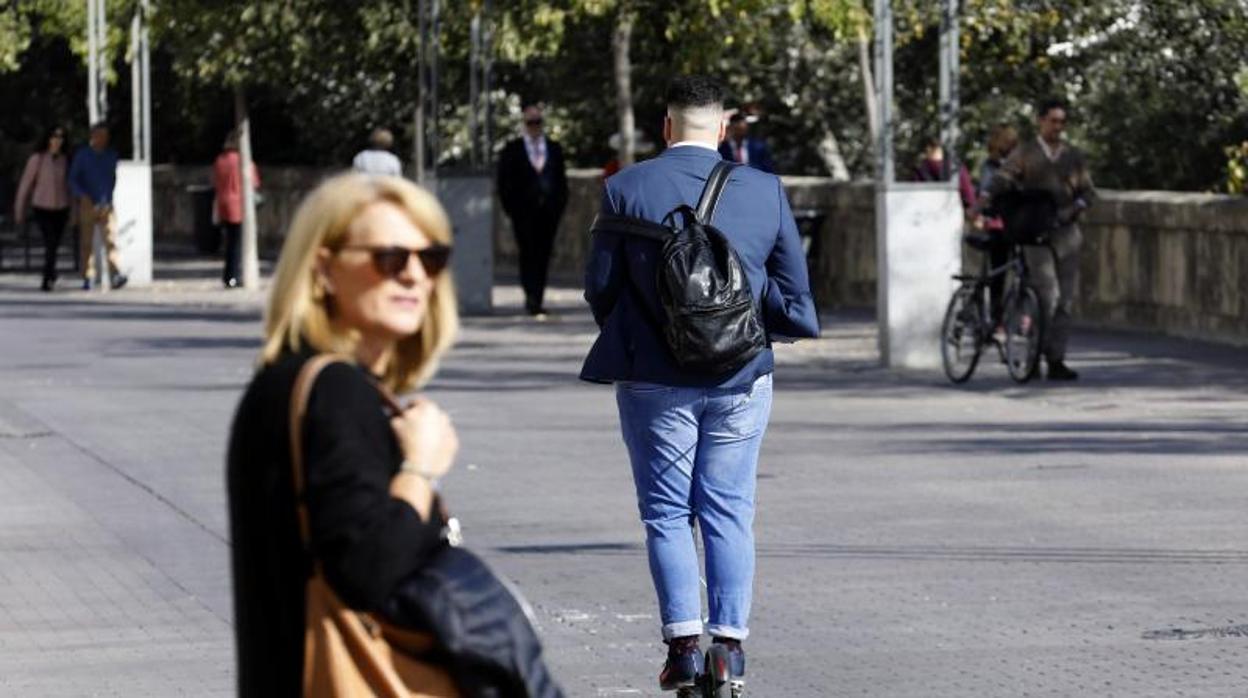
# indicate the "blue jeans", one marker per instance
pixel 695 455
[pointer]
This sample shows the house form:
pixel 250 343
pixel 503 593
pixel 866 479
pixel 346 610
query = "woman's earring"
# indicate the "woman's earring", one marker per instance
pixel 320 289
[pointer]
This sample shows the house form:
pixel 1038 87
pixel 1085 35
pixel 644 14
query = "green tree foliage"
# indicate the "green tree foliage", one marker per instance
pixel 1153 85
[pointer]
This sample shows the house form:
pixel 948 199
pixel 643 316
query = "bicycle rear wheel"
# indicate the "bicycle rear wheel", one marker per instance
pixel 961 335
pixel 1024 333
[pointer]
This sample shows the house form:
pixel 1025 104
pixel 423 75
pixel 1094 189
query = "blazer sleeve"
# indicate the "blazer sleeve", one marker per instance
pixel 561 178
pixel 507 179
pixel 765 162
pixel 604 272
pixel 110 182
pixel 76 187
pixel 788 307
pixel 25 188
pixel 365 539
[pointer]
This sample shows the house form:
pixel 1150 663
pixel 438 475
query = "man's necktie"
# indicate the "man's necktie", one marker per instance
pixel 537 156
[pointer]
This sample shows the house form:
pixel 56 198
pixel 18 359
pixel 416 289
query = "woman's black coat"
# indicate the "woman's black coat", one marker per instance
pixel 365 540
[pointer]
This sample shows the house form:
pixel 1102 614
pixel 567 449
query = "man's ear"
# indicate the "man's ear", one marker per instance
pixel 723 130
pixel 667 129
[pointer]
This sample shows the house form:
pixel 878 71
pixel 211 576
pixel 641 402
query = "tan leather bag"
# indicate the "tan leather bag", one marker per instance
pixel 348 653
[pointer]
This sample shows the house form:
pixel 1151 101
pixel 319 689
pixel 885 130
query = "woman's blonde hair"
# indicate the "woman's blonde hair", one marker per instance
pixel 299 311
pixel 1001 140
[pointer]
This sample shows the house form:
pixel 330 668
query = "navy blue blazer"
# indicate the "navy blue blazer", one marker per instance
pixel 753 213
pixel 758 153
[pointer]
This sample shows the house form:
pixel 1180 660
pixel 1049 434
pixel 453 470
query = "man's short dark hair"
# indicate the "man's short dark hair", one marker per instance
pixel 1047 105
pixel 99 126
pixel 736 118
pixel 381 139
pixel 695 91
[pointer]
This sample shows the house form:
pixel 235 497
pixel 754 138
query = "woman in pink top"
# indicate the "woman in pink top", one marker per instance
pixel 44 189
pixel 228 207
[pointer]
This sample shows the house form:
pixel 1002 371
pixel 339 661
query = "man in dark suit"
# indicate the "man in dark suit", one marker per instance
pixel 739 147
pixel 693 439
pixel 533 187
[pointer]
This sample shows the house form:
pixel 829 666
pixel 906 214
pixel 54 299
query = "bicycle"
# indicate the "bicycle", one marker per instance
pixel 970 322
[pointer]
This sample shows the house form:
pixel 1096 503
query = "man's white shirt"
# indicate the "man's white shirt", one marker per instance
pixel 536 148
pixel 377 162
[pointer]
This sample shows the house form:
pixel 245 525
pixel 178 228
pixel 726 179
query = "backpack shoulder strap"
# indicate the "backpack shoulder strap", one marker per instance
pixel 630 225
pixel 714 187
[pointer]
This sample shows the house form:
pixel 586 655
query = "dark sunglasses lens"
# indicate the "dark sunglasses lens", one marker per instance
pixel 434 259
pixel 390 261
pixel 533 122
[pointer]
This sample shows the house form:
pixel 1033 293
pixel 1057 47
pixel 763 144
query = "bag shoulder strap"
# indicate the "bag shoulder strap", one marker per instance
pixel 298 408
pixel 714 188
pixel 630 225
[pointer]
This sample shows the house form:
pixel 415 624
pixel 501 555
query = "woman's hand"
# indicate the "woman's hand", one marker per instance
pixel 426 437
pixel 429 444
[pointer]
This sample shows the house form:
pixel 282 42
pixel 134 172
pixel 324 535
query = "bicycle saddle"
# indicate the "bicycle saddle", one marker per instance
pixel 980 241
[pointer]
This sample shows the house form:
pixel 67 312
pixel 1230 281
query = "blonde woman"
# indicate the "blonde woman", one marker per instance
pixel 363 275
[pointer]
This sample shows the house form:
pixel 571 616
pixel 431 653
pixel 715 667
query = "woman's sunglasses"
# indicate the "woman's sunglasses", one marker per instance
pixel 390 261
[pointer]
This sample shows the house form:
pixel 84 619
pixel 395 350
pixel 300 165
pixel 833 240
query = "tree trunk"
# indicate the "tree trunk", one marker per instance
pixel 830 151
pixel 251 259
pixel 868 83
pixel 621 40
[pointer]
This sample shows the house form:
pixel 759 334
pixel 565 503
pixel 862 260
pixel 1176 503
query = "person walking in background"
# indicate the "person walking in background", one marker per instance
pixel 1048 163
pixel 377 158
pixel 533 188
pixel 227 180
pixel 740 148
pixel 693 438
pixel 92 178
pixel 44 190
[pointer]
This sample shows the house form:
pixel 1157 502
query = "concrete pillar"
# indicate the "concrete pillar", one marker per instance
pixel 918 250
pixel 469 201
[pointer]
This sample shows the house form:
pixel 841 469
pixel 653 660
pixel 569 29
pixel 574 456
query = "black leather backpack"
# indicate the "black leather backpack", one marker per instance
pixel 712 325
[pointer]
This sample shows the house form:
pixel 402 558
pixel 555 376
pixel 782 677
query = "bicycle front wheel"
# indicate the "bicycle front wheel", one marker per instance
pixel 961 336
pixel 1024 333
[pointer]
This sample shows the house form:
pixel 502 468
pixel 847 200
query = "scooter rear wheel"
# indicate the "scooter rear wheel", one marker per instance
pixel 717 681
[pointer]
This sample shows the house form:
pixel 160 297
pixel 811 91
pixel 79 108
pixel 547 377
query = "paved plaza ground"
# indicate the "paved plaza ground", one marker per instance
pixel 914 539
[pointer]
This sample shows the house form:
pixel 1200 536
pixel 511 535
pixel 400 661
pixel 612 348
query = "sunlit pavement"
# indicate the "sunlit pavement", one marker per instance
pixel 915 539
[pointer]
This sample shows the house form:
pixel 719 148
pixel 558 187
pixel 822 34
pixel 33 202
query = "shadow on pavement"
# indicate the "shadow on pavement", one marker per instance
pixel 1040 554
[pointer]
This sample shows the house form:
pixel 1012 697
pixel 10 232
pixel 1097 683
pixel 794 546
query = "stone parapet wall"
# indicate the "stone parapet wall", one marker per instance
pixel 1167 261
pixel 1153 261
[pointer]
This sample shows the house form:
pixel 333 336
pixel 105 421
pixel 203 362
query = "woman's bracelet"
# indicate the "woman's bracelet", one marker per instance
pixel 416 469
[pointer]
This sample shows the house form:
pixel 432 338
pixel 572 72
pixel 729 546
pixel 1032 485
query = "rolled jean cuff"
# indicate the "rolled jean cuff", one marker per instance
pixel 727 631
pixel 684 628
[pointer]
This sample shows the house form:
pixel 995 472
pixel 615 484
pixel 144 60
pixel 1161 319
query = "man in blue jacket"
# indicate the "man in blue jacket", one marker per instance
pixel 92 178
pixel 693 439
